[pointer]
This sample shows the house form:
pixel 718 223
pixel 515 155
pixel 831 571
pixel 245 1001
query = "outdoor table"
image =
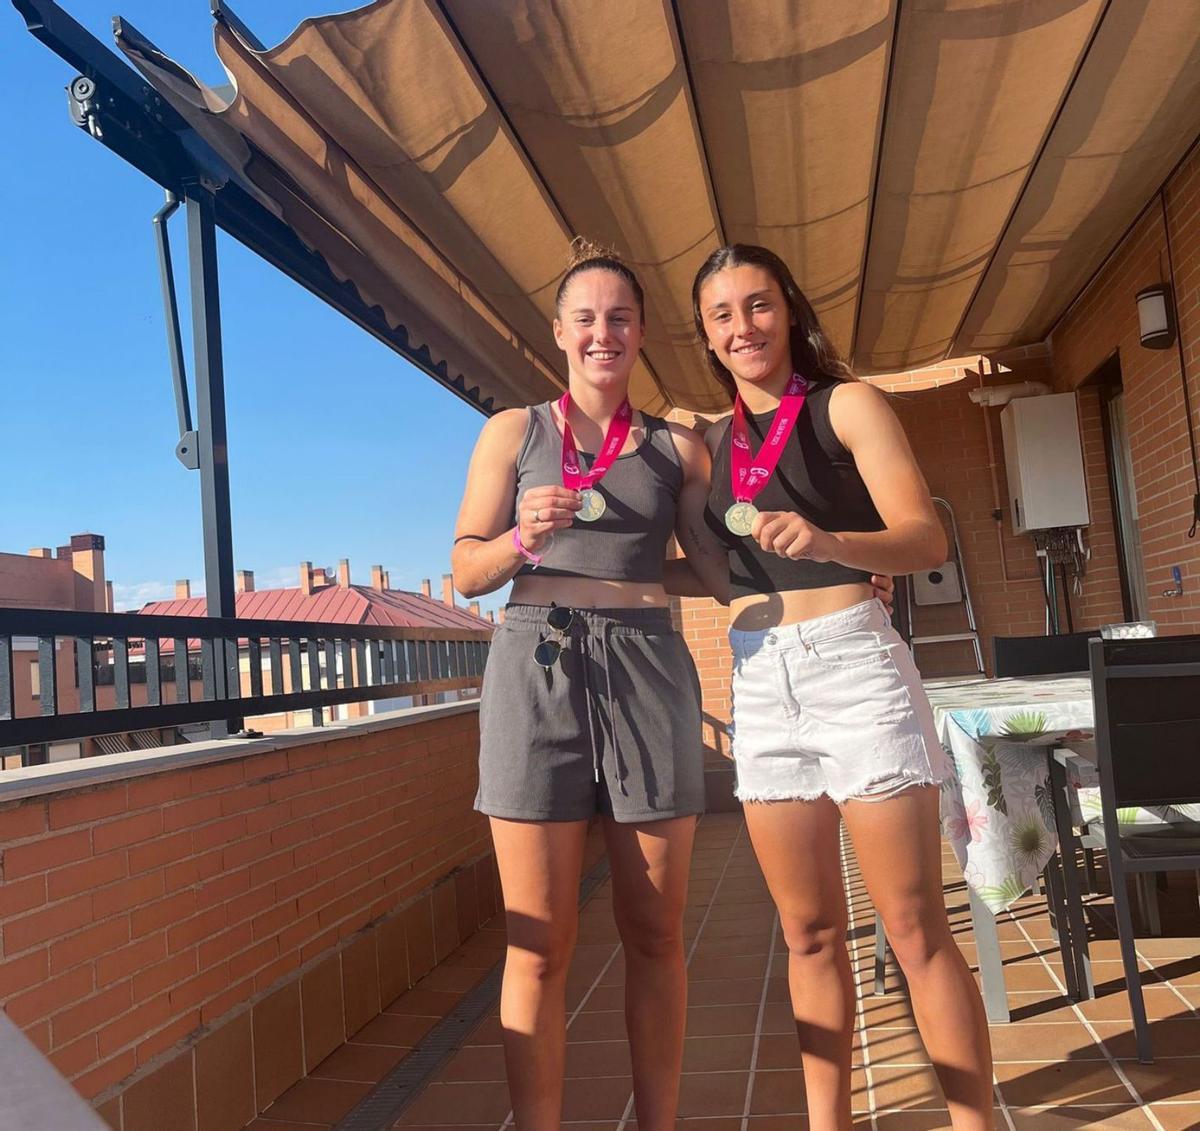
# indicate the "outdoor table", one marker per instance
pixel 997 805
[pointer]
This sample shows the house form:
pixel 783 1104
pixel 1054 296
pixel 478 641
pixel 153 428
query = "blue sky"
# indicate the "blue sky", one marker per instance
pixel 332 436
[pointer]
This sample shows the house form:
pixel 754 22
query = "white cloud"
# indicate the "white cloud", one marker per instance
pixel 140 592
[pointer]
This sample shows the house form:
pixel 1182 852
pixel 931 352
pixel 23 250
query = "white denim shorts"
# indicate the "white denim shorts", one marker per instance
pixel 831 706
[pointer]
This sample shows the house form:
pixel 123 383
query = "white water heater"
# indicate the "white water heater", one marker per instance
pixel 1044 461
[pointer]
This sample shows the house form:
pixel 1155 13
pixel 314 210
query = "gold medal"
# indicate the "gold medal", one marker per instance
pixel 740 518
pixel 593 505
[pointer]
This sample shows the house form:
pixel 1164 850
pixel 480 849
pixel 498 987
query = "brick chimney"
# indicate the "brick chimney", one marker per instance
pixel 377 578
pixel 427 587
pixel 41 552
pixel 474 607
pixel 491 616
pixel 500 615
pixel 448 589
pixel 344 573
pixel 387 579
pixel 87 560
pixel 183 589
pixel 244 581
pixel 108 594
pixel 306 578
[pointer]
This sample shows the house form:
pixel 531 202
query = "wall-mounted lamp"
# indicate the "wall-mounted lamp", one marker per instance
pixel 1155 324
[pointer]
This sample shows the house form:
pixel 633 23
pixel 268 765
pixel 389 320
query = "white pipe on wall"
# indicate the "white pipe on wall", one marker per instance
pixel 989 395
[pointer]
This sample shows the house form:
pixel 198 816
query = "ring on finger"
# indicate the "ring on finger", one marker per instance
pixel 537 515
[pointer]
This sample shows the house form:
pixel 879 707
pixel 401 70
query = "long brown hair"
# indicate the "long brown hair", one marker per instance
pixel 813 354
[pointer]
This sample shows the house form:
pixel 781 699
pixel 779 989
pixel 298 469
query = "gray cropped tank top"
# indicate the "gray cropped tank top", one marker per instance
pixel 629 541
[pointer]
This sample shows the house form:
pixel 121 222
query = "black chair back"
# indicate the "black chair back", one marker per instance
pixel 1041 655
pixel 1147 698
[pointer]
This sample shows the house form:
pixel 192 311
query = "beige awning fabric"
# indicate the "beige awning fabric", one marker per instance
pixel 942 175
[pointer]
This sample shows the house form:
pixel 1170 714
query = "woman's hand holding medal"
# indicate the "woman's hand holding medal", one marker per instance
pixel 544 510
pixel 787 534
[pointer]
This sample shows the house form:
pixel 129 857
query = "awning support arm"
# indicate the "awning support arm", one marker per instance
pixel 186 450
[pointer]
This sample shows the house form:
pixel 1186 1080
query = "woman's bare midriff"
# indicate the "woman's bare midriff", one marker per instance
pixel 588 593
pixel 770 610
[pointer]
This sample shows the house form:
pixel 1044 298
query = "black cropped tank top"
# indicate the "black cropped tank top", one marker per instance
pixel 817 478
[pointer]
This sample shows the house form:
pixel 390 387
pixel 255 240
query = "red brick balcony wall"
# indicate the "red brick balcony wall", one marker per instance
pixel 271 900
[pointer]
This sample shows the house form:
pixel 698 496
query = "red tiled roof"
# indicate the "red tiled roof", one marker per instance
pixel 333 604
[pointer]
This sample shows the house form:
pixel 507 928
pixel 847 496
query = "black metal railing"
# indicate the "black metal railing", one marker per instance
pixel 285 666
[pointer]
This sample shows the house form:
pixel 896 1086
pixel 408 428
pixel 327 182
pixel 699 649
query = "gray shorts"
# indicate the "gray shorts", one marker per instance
pixel 613 727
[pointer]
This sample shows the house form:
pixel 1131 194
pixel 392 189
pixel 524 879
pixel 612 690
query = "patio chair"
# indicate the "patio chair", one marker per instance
pixel 1040 655
pixel 1147 696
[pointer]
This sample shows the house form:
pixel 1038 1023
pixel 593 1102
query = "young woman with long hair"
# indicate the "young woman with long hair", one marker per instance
pixel 814 489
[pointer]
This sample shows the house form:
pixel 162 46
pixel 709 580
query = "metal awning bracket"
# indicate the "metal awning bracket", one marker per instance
pixel 187 450
pixel 81 101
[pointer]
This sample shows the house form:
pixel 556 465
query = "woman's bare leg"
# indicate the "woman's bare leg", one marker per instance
pixel 650 864
pixel 539 863
pixel 898 846
pixel 798 849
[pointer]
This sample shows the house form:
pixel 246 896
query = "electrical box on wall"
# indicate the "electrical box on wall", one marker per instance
pixel 1044 461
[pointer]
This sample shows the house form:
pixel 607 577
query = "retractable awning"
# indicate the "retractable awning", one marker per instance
pixel 943 175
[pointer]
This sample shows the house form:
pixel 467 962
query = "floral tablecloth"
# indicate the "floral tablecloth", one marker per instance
pixel 997 811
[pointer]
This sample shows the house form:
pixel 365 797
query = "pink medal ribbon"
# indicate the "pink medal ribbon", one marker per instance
pixel 573 476
pixel 749 475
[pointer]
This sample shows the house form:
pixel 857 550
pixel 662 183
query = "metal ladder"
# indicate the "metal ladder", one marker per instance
pixel 972 634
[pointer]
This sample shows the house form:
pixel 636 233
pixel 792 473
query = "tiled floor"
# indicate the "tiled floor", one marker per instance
pixel 1057 1064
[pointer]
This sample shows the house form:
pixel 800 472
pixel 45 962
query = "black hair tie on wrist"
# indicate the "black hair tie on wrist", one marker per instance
pixel 470 538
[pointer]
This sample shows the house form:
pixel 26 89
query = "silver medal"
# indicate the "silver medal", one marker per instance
pixel 740 518
pixel 593 505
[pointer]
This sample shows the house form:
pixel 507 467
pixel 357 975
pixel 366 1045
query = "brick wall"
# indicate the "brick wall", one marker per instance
pixel 1104 322
pixel 139 916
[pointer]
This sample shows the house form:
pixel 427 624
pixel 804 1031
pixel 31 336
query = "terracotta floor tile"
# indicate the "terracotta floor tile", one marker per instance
pixel 393 1029
pixel 603 1097
pixel 311 1099
pixel 727 991
pixel 1167 1079
pixel 601 998
pixel 717 1054
pixel 489 1126
pixel 598 1058
pixel 464 1103
pixel 488 1032
pixel 1033 1040
pixel 424 1003
pixel 892 1009
pixel 1161 1003
pixel 721 1020
pixel 478 1062
pixel 712 1093
pixel 778 1093
pixel 896 1046
pixel 712 947
pixel 360 1062
pixel 1171 1038
pixel 778 1123
pixel 1118 1118
pixel 912 1121
pixel 264 1124
pixel 599 1026
pixel 1074 1082
pixel 897 1088
pixel 1177 1117
pixel 748 966
pixel 778 1051
pixel 777 1017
